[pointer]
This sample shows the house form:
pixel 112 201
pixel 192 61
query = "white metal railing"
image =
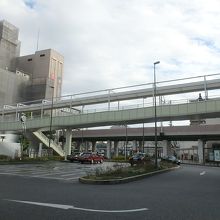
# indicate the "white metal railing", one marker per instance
pixel 110 91
pixel 45 140
pixel 145 85
pixel 60 112
pixel 206 108
pixel 111 105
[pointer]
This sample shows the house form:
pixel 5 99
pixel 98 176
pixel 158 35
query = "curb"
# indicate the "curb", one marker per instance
pixel 124 180
pixel 205 164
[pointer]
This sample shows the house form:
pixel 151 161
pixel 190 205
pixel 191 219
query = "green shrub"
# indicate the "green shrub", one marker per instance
pixel 4 157
pixel 119 170
pixel 119 158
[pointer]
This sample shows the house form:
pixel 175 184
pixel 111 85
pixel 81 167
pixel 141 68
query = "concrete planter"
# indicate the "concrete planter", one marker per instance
pixel 123 180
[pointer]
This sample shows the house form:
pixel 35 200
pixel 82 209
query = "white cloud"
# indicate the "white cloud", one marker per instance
pixel 114 43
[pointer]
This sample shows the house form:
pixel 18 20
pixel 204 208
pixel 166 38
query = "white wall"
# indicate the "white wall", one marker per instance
pixel 9 145
pixel 187 144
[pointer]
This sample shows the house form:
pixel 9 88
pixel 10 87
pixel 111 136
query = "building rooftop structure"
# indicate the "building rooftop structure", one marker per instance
pixel 36 76
pixel 45 68
pixel 9 46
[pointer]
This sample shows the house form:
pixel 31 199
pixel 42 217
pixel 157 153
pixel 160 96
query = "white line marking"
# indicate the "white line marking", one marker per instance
pixel 60 206
pixel 202 173
pixel 40 177
pixel 71 174
pixel 12 174
pixel 47 177
pixel 49 173
pixel 38 173
pixel 72 178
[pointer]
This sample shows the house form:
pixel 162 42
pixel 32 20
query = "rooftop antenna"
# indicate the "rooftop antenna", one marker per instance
pixel 38 36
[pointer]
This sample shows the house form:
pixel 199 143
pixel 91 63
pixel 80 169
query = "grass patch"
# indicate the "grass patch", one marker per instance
pixel 120 158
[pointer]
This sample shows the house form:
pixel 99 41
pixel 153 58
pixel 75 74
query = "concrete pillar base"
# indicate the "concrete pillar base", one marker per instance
pixel 166 148
pixel 93 146
pixel 201 145
pixel 116 148
pixel 108 153
pixel 40 150
pixel 67 148
pixel 140 144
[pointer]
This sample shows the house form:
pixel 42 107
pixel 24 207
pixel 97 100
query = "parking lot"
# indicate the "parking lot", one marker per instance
pixel 65 171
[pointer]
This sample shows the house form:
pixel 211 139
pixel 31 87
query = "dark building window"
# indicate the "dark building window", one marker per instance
pixel 30 59
pixel 42 55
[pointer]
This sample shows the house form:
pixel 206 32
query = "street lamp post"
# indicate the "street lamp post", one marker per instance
pixel 155 113
pixel 51 116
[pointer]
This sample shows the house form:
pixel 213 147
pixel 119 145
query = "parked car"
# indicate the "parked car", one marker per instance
pixel 172 159
pixel 139 158
pixel 102 155
pixel 91 158
pixel 74 157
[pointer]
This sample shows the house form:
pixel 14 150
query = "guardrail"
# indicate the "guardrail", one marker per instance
pixel 205 109
pixel 116 94
pixel 63 112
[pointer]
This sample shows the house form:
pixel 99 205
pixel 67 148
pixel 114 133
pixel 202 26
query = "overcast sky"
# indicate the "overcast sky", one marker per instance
pixel 114 43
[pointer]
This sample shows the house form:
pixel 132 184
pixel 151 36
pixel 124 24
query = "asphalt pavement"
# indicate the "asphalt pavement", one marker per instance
pixel 65 171
pixel 190 192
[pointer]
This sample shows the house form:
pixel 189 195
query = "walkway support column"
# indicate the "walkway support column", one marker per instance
pixel 116 148
pixel 201 145
pixel 93 146
pixel 86 146
pixel 166 148
pixel 134 147
pixel 108 153
pixel 40 150
pixel 67 148
pixel 141 146
pixel 78 146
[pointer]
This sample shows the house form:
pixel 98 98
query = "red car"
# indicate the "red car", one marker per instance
pixel 91 158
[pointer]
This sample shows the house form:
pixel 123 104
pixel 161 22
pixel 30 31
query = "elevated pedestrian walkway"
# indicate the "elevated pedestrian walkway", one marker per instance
pixel 184 111
pixel 113 95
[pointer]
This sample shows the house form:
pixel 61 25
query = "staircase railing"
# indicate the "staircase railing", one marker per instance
pixel 45 141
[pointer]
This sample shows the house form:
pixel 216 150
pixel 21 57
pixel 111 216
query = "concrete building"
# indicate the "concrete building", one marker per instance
pixel 9 46
pixel 30 77
pixel 25 78
pixel 13 87
pixel 45 69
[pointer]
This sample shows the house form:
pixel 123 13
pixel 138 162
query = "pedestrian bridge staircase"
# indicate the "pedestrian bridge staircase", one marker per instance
pixel 45 140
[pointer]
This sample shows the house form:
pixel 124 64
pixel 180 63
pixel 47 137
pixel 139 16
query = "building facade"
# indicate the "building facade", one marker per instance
pixel 9 46
pixel 27 78
pixel 13 87
pixel 45 69
pixel 36 76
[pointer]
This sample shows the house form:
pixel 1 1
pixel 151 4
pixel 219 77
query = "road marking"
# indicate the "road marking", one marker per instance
pixel 50 178
pixel 39 173
pixel 202 173
pixel 71 174
pixel 73 178
pixel 60 206
pixel 12 174
pixel 40 177
pixel 49 173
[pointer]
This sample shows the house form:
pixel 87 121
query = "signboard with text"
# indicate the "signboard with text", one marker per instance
pixel 217 155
